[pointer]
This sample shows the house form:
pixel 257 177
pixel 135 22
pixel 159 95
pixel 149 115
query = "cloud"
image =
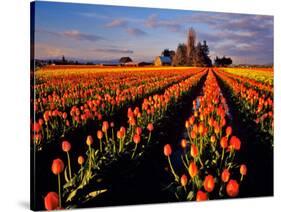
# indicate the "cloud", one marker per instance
pixel 154 22
pixel 43 50
pixel 117 23
pixel 73 34
pixel 136 32
pixel 114 50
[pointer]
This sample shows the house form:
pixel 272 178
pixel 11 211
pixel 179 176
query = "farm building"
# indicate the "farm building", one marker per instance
pixel 124 60
pixel 162 61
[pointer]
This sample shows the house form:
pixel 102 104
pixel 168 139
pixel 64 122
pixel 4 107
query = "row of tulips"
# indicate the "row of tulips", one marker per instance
pixel 55 123
pixel 251 83
pixel 112 144
pixel 262 75
pixel 254 102
pixel 208 167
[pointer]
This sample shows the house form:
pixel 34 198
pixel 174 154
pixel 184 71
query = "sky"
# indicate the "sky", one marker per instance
pixel 100 32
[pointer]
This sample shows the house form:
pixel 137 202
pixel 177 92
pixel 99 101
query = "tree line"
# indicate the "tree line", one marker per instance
pixel 192 54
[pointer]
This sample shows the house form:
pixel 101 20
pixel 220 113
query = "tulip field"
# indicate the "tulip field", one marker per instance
pixel 105 136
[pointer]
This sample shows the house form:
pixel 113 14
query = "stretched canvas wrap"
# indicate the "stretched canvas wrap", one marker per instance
pixel 137 105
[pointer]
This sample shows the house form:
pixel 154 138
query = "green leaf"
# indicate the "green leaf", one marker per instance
pixel 190 195
pixel 93 194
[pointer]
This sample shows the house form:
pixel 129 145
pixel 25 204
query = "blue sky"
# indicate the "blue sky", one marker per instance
pixel 95 32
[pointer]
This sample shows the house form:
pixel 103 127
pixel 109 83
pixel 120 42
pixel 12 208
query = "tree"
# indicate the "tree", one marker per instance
pixel 190 46
pixel 198 59
pixel 222 62
pixel 180 58
pixel 63 60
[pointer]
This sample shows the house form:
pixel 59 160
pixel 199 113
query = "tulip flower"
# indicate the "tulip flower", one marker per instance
pixel 183 143
pixel 150 129
pixel 192 169
pixel 136 140
pixel 51 201
pixel 167 153
pixel 89 142
pixel 225 175
pixel 105 127
pixel 57 168
pixel 243 171
pixel 194 151
pixel 228 131
pixel 201 196
pixel 209 183
pixel 232 188
pixel 100 135
pixel 183 180
pixel 235 143
pixel 66 146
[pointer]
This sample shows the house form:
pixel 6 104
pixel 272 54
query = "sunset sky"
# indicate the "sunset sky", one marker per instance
pixel 92 32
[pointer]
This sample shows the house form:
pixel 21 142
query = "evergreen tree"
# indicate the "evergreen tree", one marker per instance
pixel 190 46
pixel 180 58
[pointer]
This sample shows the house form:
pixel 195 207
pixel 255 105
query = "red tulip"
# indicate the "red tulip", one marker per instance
pixel 235 143
pixel 232 188
pixel 225 175
pixel 51 201
pixel 138 130
pixel 150 127
pixel 194 151
pixel 201 196
pixel 66 146
pixel 136 138
pixel 192 169
pixel 167 150
pixel 57 166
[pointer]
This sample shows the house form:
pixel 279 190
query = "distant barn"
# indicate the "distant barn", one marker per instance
pixel 162 61
pixel 124 60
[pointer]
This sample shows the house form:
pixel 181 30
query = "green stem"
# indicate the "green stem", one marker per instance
pixel 135 149
pixel 59 190
pixel 149 137
pixel 172 169
pixel 222 157
pixel 68 159
pixel 90 158
pixel 100 145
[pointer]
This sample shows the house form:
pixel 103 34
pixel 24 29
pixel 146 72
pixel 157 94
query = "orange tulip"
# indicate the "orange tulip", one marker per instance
pixel 213 139
pixel 183 143
pixel 99 134
pixel 192 169
pixel 224 142
pixel 89 140
pixel 183 180
pixel 167 150
pixel 228 131
pixel 243 169
pixel 81 160
pixel 225 175
pixel 209 183
pixel 232 188
pixel 105 126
